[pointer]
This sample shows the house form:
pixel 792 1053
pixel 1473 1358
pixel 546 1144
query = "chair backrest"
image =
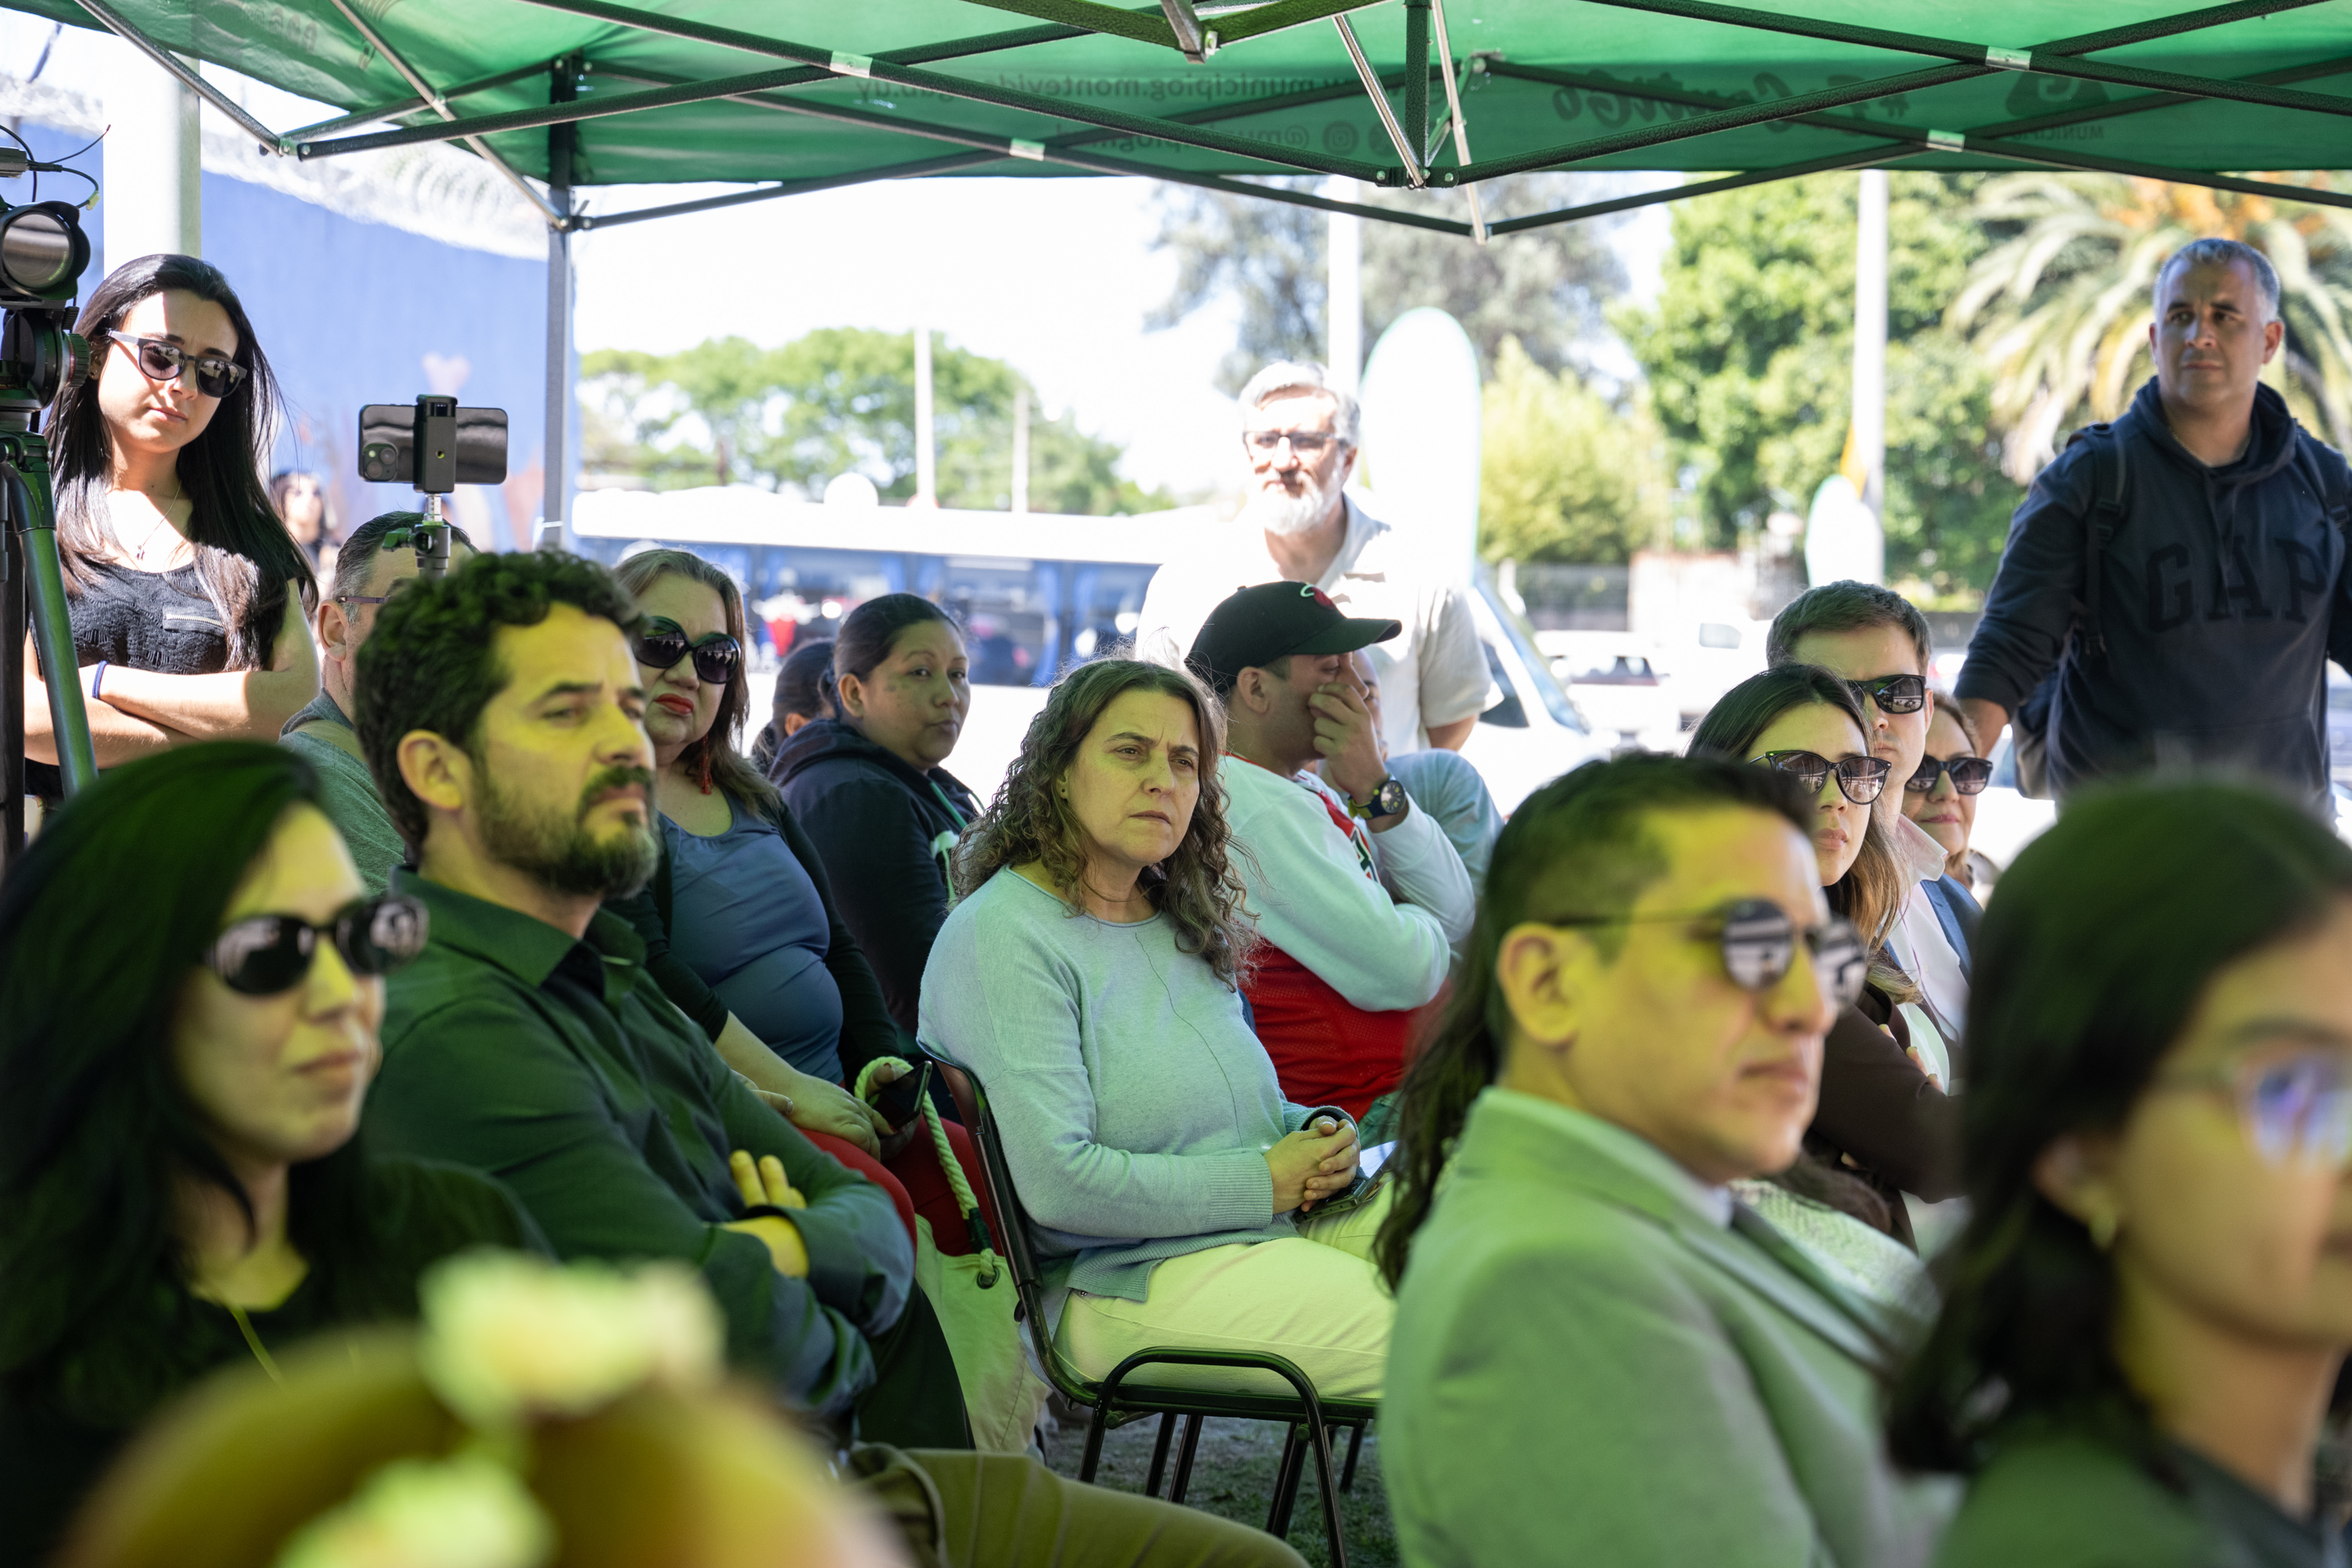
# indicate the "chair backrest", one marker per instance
pixel 971 1104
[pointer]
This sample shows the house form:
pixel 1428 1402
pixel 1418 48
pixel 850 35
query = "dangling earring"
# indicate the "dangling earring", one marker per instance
pixel 2102 1226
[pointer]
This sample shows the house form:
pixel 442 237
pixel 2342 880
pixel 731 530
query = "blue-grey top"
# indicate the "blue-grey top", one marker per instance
pixel 347 792
pixel 1136 1105
pixel 747 918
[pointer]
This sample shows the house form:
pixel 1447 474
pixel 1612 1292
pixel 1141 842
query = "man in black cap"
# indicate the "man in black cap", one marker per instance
pixel 1360 899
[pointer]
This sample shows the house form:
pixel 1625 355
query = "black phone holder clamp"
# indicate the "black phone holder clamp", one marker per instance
pixel 434 448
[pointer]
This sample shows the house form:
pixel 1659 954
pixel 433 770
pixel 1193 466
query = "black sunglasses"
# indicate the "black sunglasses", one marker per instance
pixel 1893 693
pixel 265 955
pixel 1759 945
pixel 1860 779
pixel 715 657
pixel 1969 774
pixel 161 360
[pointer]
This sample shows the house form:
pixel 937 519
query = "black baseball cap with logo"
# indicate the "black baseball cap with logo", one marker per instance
pixel 1257 625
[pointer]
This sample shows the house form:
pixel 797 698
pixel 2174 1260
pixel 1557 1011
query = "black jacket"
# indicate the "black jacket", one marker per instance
pixel 866 1031
pixel 885 832
pixel 2223 592
pixel 1880 1117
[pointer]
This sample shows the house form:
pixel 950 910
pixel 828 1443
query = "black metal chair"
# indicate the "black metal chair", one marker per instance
pixel 1115 1401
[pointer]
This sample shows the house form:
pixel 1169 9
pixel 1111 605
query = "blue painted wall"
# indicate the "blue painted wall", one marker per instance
pixel 352 313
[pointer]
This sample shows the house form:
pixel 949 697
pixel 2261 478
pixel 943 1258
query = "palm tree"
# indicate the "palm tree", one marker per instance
pixel 2060 309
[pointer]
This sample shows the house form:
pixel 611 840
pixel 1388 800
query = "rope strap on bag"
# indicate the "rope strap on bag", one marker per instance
pixel 975 1222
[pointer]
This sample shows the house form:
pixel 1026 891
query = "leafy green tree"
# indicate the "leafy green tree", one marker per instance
pixel 840 399
pixel 2059 307
pixel 1749 354
pixel 1545 288
pixel 1564 474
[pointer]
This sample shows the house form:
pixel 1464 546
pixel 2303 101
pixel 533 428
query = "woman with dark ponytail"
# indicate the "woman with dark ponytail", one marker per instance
pixel 2153 1296
pixel 189 601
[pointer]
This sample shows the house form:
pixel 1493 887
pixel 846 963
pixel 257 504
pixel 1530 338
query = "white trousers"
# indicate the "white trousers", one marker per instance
pixel 1314 1298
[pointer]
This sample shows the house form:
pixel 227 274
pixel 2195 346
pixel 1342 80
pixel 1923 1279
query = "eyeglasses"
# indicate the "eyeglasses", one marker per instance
pixel 1860 779
pixel 1760 946
pixel 1306 443
pixel 161 360
pixel 2295 1110
pixel 1893 693
pixel 1969 774
pixel 266 954
pixel 715 657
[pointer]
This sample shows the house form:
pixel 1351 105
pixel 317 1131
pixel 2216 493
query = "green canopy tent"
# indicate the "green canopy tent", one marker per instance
pixel 792 96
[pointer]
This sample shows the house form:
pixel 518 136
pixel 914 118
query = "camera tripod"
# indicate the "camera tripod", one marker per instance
pixel 33 592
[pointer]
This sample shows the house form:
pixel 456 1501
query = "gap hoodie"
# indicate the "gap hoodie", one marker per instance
pixel 885 832
pixel 2223 593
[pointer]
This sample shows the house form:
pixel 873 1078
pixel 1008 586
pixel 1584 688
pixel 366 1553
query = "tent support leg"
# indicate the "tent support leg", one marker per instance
pixel 555 472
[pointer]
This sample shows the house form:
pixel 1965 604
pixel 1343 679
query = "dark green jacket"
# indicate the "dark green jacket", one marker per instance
pixel 2068 1500
pixel 558 1066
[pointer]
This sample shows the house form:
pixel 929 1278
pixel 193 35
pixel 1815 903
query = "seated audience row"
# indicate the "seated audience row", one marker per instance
pixel 501 711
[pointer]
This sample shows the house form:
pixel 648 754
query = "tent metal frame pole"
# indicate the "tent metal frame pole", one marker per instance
pixel 555 469
pixel 2044 61
pixel 1862 158
pixel 949 164
pixel 193 81
pixel 1453 117
pixel 1093 162
pixel 408 105
pixel 881 68
pixel 439 105
pixel 1377 91
pixel 1883 87
pixel 1229 28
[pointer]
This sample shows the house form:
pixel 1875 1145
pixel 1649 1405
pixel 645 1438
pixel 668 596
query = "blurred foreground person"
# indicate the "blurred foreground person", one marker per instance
pixel 1941 798
pixel 1601 1356
pixel 2154 1292
pixel 179 1186
pixel 545 1418
pixel 379 556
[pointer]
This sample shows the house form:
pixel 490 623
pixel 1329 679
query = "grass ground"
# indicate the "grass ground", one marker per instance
pixel 1232 1475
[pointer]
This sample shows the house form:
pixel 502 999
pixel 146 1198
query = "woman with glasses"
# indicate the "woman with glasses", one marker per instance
pixel 2154 1292
pixel 1941 798
pixel 189 601
pixel 739 921
pixel 180 1081
pixel 1884 1116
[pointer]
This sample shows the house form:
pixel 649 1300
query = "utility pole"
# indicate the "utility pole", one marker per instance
pixel 1021 448
pixel 1870 342
pixel 1343 337
pixel 927 467
pixel 154 162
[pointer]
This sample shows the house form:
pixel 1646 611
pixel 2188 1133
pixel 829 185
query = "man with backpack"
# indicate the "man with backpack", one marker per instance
pixel 2176 581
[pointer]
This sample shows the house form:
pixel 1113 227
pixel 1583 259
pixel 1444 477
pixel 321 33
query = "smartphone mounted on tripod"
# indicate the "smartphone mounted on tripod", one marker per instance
pixel 433 446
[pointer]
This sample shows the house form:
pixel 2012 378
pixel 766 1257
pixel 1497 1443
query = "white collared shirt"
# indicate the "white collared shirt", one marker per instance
pixel 1918 943
pixel 1434 672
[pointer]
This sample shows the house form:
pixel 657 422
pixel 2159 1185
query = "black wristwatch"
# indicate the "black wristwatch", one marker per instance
pixel 1388 799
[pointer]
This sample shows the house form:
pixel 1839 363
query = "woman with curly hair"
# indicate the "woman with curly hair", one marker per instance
pixel 1089 979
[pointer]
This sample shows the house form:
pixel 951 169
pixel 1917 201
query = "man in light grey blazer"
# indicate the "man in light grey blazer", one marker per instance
pixel 1600 1357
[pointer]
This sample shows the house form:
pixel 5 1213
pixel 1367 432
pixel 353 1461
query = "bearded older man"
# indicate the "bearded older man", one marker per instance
pixel 1300 437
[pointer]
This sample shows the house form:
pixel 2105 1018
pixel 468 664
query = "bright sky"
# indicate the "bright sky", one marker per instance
pixel 1053 275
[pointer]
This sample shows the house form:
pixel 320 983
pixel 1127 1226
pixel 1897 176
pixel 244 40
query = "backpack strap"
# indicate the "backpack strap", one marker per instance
pixel 2109 475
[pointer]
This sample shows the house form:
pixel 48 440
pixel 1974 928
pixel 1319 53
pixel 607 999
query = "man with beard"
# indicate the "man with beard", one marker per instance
pixel 1299 436
pixel 499 710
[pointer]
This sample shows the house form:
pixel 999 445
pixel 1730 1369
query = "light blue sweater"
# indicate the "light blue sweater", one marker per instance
pixel 1136 1105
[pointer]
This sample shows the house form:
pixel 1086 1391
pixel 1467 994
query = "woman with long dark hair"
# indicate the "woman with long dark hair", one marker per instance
pixel 869 786
pixel 189 601
pixel 739 920
pixel 1884 1114
pixel 2152 1295
pixel 1090 979
pixel 181 1074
